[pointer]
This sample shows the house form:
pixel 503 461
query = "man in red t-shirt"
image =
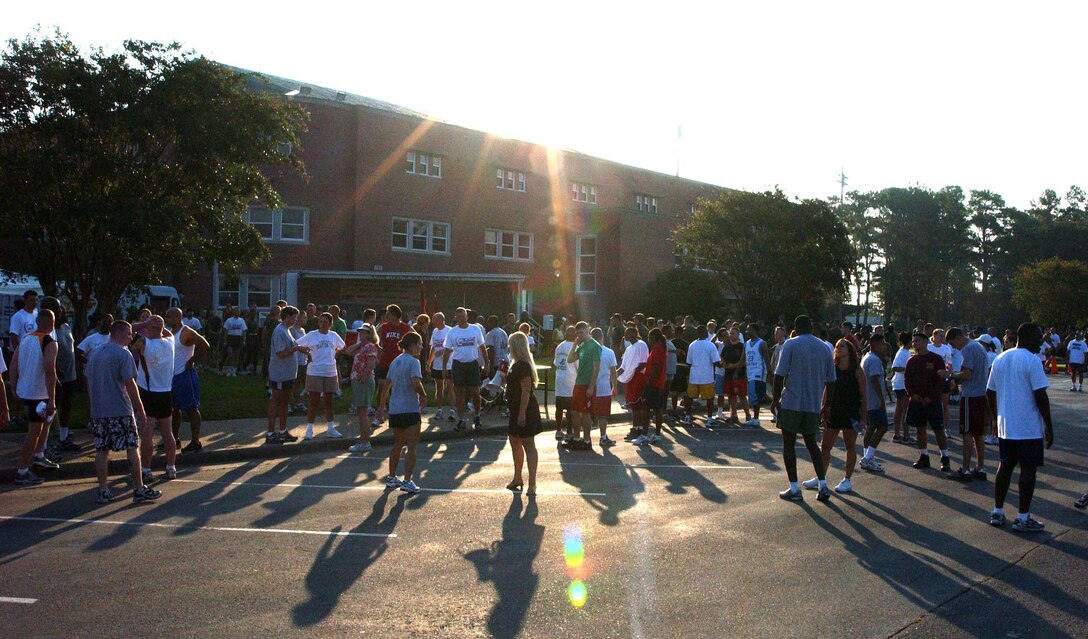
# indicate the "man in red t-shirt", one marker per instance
pixel 389 334
pixel 654 393
pixel 924 379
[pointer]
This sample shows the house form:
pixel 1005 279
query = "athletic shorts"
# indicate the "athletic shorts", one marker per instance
pixel 68 389
pixel 1021 451
pixel 562 403
pixel 757 392
pixel 381 372
pixel 156 405
pixel 437 373
pixel 185 390
pixel 404 420
pixel 362 392
pixel 580 402
pixel 946 387
pixel 281 386
pixel 113 433
pixel 324 385
pixel 701 391
pixel 878 418
pixel 1075 368
pixel 466 374
pixel 719 385
pixel 920 415
pixel 900 393
pixel 798 422
pixel 301 374
pixel 653 398
pixel 601 406
pixel 843 422
pixel 736 387
pixel 235 341
pixel 974 416
pixel 31 406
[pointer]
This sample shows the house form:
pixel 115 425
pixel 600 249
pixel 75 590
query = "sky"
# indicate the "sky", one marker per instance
pixel 984 95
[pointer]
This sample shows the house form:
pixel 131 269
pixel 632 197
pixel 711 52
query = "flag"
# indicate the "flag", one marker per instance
pixel 422 298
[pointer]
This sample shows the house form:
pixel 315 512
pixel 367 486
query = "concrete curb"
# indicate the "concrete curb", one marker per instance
pixel 85 469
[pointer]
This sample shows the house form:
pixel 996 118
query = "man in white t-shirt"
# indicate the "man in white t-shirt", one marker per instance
pixel 702 358
pixel 464 355
pixel 192 322
pixel 96 338
pixel 564 385
pixel 606 388
pixel 1017 395
pixel 443 385
pixel 25 320
pixel 234 334
pixel 322 378
pixel 1077 349
pixel 899 387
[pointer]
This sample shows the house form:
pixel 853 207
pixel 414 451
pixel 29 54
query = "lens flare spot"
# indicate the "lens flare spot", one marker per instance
pixel 577 593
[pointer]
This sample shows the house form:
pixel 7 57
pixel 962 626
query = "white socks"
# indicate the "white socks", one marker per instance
pixel 62 432
pixel 794 487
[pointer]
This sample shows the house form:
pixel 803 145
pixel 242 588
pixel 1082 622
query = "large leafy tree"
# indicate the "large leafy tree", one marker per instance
pixel 772 255
pixel 1052 291
pixel 861 218
pixel 126 167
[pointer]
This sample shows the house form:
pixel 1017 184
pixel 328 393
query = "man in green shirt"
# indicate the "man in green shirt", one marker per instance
pixel 339 326
pixel 587 353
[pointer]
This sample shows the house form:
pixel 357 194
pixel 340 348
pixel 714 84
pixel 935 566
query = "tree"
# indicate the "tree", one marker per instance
pixel 989 221
pixel 860 218
pixel 681 290
pixel 772 255
pixel 1052 291
pixel 121 168
pixel 912 275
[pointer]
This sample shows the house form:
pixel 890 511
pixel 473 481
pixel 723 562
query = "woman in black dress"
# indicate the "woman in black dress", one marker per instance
pixel 524 411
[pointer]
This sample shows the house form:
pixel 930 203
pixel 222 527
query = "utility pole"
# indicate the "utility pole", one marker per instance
pixel 842 186
pixel 679 138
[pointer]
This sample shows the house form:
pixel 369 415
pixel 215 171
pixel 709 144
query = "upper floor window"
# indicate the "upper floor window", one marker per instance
pixel 289 224
pixel 508 245
pixel 646 203
pixel 421 163
pixel 421 236
pixel 583 192
pixel 587 264
pixel 509 180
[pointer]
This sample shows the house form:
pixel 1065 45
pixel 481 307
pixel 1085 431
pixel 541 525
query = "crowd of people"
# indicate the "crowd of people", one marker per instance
pixel 817 383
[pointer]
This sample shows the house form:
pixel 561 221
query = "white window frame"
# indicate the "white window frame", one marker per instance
pixel 429 235
pixel 423 163
pixel 515 241
pixel 646 203
pixel 277 224
pixel 579 273
pixel 584 192
pixel 242 292
pixel 510 180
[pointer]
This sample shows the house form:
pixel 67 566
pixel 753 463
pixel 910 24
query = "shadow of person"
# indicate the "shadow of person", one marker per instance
pixel 590 473
pixel 458 462
pixel 310 492
pixel 679 475
pixel 508 564
pixel 335 569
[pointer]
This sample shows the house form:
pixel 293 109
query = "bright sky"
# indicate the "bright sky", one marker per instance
pixel 986 95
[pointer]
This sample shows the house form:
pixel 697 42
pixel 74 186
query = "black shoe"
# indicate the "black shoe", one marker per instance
pixel 287 437
pixel 979 474
pixel 823 495
pixel 946 464
pixel 193 447
pixel 631 434
pixel 922 463
pixel 460 426
pixel 476 423
pixel 67 444
pixel 962 475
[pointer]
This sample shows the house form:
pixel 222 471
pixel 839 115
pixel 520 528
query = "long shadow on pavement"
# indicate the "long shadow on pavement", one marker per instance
pixel 576 468
pixel 508 564
pixel 335 570
pixel 678 475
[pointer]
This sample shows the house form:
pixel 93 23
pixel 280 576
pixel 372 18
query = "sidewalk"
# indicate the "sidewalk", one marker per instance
pixel 243 439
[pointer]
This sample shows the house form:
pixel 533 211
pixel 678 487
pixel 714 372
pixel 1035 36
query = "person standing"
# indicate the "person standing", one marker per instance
pixel 464 353
pixel 496 342
pixel 322 379
pixel 805 368
pixel 271 322
pixel 607 388
pixel 736 375
pixel 33 375
pixel 974 408
pixel 702 357
pixel 443 385
pixel 653 395
pixel 632 374
pixel 407 399
pixel 116 412
pixel 234 337
pixel 899 387
pixel 66 377
pixel 565 373
pixel 757 362
pixel 925 378
pixel 25 320
pixel 98 337
pixel 1017 394
pixel 192 322
pixel 842 412
pixel 251 352
pixel 364 355
pixel 389 335
pixel 872 365
pixel 525 423
pixel 154 355
pixel 283 375
pixel 189 348
pixel 587 354
pixel 1077 349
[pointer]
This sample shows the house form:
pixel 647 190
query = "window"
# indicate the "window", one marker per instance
pixel 510 180
pixel 646 203
pixel 229 291
pixel 420 163
pixel 259 290
pixel 289 224
pixel 584 192
pixel 587 264
pixel 421 236
pixel 242 290
pixel 508 245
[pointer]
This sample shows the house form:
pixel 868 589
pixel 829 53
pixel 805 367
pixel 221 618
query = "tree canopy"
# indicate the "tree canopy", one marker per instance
pixel 125 167
pixel 1052 291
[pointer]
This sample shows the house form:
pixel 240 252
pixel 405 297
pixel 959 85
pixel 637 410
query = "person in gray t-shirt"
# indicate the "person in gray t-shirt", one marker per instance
pixel 975 415
pixel 406 399
pixel 877 412
pixel 804 368
pixel 282 371
pixel 66 377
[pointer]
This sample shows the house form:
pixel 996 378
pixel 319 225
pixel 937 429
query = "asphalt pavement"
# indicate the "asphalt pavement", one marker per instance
pixel 687 539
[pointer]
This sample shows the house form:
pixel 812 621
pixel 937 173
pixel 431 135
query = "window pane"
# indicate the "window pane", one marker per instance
pixel 439 244
pixel 524 253
pixel 525 240
pixel 489 237
pixel 293 224
pixel 421 164
pixel 574 188
pixel 498 176
pixel 521 181
pixel 587 283
pixel 593 194
pixel 510 180
pixel 400 234
pixel 228 291
pixel 259 291
pixel 508 251
pixel 441 230
pixel 419 236
pixel 411 161
pixel 587 264
pixel 262 220
pixel 436 166
pixel 587 246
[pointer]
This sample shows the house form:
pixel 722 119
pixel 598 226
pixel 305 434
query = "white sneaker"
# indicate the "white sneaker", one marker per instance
pixel 719 416
pixel 361 447
pixel 844 486
pixel 332 432
pixel 374 423
pixel 409 487
pixel 655 439
pixel 687 420
pixel 811 484
pixel 752 422
pixel 438 414
pixel 641 440
pixel 309 434
pixel 392 481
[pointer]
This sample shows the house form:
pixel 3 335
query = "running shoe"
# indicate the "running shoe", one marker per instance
pixel 476 423
pixel 752 422
pixel 896 439
pixel 656 439
pixel 824 494
pixel 392 481
pixel 962 475
pixel 145 494
pixel 631 435
pixel 374 423
pixel 1082 503
pixel 1072 389
pixel 409 487
pixel 68 445
pixel 1030 524
pixel 641 440
pixel 686 421
pixel 333 433
pixel 871 465
pixel 45 463
pixel 193 447
pixel 791 495
pixel 607 441
pixel 287 437
pixel 946 464
pixel 460 426
pixel 451 416
pixel 990 439
pixel 27 479
pixel 922 463
pixel 907 439
pixel 309 434
pixel 844 486
pixel 171 473
pixel 439 414
pixel 105 497
pixel 997 519
pixel 361 447
pixel 978 474
pixel 147 477
pixel 270 438
pixel 719 416
pixel 811 484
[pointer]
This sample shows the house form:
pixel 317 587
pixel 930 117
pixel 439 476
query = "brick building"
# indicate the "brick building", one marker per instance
pixel 398 202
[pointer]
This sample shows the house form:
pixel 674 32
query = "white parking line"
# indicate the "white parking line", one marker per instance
pixel 565 463
pixel 18 600
pixel 382 487
pixel 116 522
